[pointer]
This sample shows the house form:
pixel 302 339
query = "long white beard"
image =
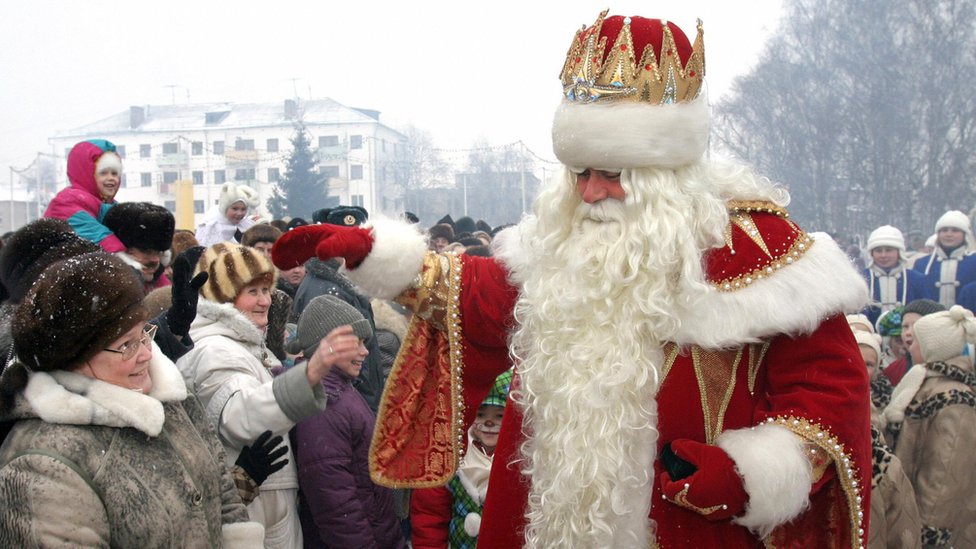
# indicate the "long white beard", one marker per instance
pixel 604 292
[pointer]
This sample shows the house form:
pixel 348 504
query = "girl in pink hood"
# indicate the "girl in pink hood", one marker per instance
pixel 95 175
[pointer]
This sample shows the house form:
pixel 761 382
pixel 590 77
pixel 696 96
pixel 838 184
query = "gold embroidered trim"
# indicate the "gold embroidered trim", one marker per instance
pixel 802 243
pixel 681 499
pixel 716 382
pixel 745 222
pixel 756 355
pixel 453 322
pixel 670 354
pixel 846 471
pixel 756 206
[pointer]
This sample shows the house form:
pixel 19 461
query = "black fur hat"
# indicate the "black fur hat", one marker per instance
pixel 33 248
pixel 465 225
pixel 141 225
pixel 347 216
pixel 75 309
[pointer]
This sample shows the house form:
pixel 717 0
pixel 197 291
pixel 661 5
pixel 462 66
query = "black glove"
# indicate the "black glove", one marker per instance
pixel 186 292
pixel 258 459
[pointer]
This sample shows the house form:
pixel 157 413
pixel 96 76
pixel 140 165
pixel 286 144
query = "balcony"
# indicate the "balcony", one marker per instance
pixel 244 159
pixel 331 154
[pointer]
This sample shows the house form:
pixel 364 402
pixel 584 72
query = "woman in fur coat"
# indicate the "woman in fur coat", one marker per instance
pixel 104 446
pixel 934 409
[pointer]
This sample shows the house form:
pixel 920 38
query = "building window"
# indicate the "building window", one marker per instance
pixel 198 206
pixel 328 141
pixel 355 141
pixel 244 174
pixel 220 177
pixel 273 175
pixel 197 178
pixel 272 145
pixel 329 171
pixel 145 179
pixel 145 151
pixel 196 148
pixel 120 149
pixel 356 171
pixel 170 177
pixel 243 144
pixel 171 148
pixel 170 205
pixel 218 147
pixel 357 200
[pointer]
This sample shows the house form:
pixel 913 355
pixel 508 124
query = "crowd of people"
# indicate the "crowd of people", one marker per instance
pixel 657 356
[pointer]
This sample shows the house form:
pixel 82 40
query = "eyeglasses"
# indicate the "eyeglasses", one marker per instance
pixel 130 348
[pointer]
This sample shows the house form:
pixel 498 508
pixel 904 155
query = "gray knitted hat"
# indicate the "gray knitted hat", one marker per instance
pixel 322 315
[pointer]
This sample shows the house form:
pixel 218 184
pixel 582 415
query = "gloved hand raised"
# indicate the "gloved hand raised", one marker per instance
pixel 186 292
pixel 715 490
pixel 258 459
pixel 324 241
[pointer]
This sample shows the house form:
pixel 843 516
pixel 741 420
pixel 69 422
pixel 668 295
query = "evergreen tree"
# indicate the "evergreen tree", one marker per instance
pixel 302 190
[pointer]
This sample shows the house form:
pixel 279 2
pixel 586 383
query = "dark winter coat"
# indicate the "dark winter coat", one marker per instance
pixel 322 278
pixel 341 507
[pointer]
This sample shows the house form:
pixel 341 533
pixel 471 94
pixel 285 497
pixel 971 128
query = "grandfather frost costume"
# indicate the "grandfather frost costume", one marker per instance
pixel 691 311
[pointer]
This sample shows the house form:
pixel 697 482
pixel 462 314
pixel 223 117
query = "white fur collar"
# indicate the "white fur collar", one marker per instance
pixel 212 316
pixel 69 398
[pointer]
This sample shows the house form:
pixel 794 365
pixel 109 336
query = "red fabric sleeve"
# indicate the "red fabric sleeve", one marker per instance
pixel 430 514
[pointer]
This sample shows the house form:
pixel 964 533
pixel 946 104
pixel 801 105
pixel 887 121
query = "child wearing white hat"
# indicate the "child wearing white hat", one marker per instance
pixel 228 220
pixel 889 279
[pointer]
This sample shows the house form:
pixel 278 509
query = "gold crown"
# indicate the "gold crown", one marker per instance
pixel 656 78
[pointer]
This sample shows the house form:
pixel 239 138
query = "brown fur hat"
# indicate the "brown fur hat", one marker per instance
pixel 262 232
pixel 76 308
pixel 441 230
pixel 33 248
pixel 182 241
pixel 231 268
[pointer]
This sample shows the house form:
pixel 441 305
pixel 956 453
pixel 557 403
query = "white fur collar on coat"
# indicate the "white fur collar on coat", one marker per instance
pixel 63 397
pixel 224 320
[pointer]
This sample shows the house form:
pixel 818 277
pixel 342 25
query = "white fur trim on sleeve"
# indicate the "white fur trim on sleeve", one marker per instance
pixel 395 260
pixel 793 300
pixel 776 474
pixel 509 248
pixel 630 134
pixel 242 535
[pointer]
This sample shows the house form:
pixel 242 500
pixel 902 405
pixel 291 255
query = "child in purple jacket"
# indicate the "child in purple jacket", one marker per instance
pixel 340 506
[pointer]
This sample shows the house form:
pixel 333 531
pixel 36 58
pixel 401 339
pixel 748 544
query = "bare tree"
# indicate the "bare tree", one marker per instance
pixel 864 111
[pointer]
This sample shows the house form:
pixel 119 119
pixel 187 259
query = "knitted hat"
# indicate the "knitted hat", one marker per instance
pixel 33 248
pixel 886 235
pixel 232 267
pixel 441 230
pixel 75 309
pixel 262 232
pixel 231 193
pixel 322 315
pixel 347 216
pixel 859 322
pixel 632 96
pixel 141 225
pixel 869 340
pixel 498 394
pixel 954 219
pixel 943 335
pixel 889 323
pixel 923 307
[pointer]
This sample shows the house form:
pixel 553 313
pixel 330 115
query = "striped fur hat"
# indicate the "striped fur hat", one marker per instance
pixel 231 268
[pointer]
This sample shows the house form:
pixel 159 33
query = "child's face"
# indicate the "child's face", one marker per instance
pixel 487 426
pixel 354 366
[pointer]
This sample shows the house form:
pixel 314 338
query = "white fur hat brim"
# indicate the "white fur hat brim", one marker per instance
pixel 621 135
pixel 109 160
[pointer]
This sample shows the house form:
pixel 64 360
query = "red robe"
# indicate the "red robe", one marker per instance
pixel 811 382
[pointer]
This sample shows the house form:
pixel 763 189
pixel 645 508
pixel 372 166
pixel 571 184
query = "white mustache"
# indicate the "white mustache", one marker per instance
pixel 489 430
pixel 603 211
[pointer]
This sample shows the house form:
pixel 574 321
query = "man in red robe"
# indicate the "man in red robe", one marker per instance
pixel 685 376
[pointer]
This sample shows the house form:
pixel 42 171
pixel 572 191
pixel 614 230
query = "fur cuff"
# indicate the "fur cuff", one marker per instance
pixel 394 262
pixel 643 135
pixel 794 300
pixel 776 474
pixel 242 535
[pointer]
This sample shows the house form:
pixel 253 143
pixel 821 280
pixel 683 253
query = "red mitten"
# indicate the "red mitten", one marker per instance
pixel 325 241
pixel 715 490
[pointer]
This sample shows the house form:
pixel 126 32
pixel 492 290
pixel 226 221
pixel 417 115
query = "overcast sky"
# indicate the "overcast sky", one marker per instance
pixel 461 70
